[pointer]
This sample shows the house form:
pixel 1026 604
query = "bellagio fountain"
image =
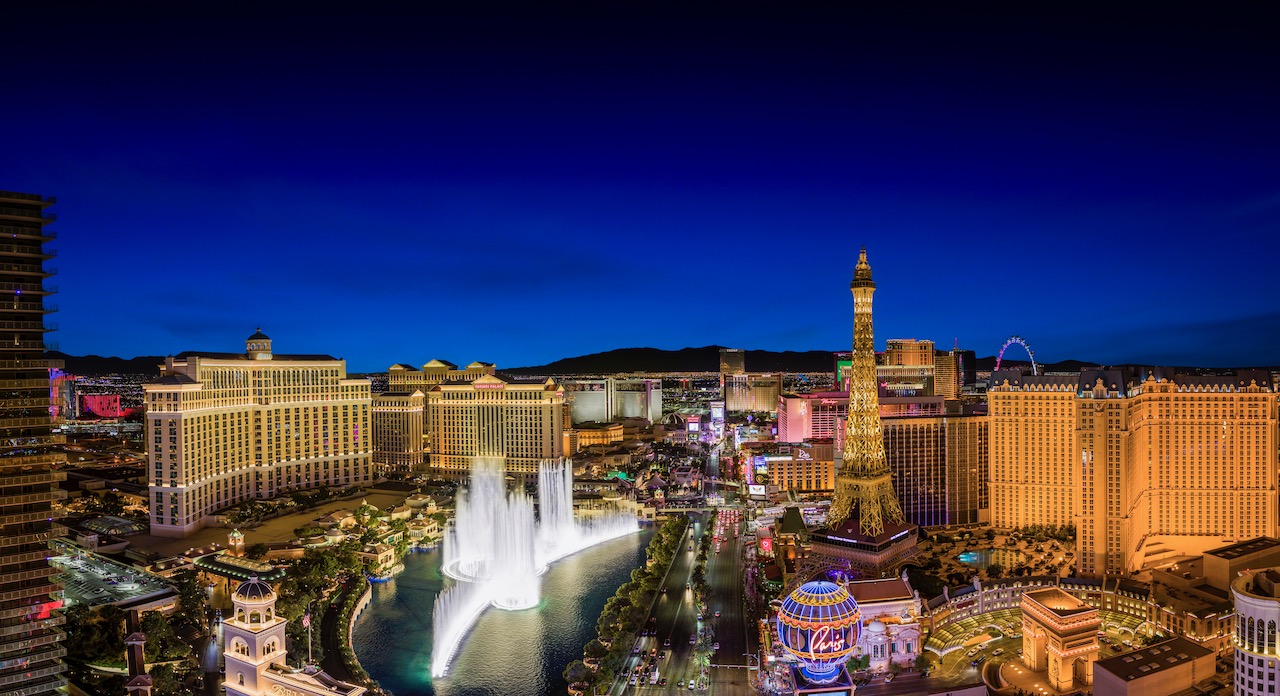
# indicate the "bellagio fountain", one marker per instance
pixel 497 548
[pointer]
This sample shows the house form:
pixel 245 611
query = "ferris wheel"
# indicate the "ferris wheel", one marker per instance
pixel 1022 342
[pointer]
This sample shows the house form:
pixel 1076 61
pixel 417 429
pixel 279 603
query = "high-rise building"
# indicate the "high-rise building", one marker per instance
pixel 906 368
pixel 939 466
pixel 1147 464
pixel 408 379
pixel 30 596
pixel 865 524
pixel 733 361
pixel 812 416
pixel 223 428
pixel 946 374
pixel 968 473
pixel 1256 595
pixel 495 415
pixel 398 431
pixel 809 468
pixel 606 399
pixel 752 392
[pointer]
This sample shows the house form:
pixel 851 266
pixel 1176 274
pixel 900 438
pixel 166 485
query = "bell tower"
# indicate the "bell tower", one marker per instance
pixel 253 638
pixel 258 346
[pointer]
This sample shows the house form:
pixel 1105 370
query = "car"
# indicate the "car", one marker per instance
pixel 662 681
pixel 666 643
pixel 699 617
pixel 691 685
pixel 680 684
pixel 717 614
pixel 693 638
pixel 997 652
pixel 633 680
pixel 715 646
pixel 662 654
pixel 888 677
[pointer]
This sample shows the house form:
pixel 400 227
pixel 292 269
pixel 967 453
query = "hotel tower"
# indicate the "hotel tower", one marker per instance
pixel 29 594
pixel 223 428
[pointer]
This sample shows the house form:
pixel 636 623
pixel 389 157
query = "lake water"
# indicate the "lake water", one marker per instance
pixel 507 653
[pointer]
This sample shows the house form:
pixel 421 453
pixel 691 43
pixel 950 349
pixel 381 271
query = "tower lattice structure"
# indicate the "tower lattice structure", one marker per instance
pixel 864 485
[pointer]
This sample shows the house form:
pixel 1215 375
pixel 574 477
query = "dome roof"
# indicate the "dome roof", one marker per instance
pixel 254 590
pixel 259 336
pixel 875 627
pixel 819 623
pixel 818 602
pixel 236 534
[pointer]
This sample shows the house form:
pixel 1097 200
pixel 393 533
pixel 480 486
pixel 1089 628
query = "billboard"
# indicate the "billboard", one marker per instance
pixel 844 367
pixel 756 490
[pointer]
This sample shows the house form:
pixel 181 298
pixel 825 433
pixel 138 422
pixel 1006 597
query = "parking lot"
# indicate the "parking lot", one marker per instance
pixel 93 580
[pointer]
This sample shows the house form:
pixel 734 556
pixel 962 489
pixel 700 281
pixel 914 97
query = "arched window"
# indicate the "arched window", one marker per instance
pixel 1271 637
pixel 268 613
pixel 240 615
pixel 1248 635
pixel 240 678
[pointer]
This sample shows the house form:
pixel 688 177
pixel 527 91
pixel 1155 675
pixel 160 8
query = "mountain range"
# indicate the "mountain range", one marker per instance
pixel 704 359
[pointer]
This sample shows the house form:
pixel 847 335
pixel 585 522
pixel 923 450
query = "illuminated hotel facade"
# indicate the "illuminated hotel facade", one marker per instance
pixel 1147 465
pixel 30 594
pixel 404 378
pixel 398 431
pixel 1256 594
pixel 223 428
pixel 751 392
pixel 519 420
pixel 939 462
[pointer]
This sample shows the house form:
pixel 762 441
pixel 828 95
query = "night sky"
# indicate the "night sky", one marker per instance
pixel 515 186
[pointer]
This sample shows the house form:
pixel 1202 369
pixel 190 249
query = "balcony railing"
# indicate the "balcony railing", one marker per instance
pixel 28 288
pixel 36 364
pixel 28 250
pixel 31 269
pixel 26 326
pixel 24 232
pixel 19 212
pixel 28 197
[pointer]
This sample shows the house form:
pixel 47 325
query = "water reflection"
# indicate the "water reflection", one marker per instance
pixel 507 653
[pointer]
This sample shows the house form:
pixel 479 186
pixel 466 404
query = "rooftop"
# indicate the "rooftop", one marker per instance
pixel 1151 659
pixel 879 590
pixel 1244 548
pixel 1058 602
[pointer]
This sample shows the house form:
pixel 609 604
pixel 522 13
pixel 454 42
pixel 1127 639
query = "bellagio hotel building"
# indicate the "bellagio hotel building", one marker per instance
pixel 223 428
pixel 1148 465
pixel 495 415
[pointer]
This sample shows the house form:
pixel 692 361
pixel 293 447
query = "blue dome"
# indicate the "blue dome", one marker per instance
pixel 820 623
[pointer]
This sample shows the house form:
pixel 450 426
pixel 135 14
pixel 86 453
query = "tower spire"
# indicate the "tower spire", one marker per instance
pixel 864 486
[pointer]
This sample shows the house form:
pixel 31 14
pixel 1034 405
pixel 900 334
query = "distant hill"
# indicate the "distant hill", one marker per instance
pixel 989 363
pixel 98 365
pixel 704 359
pixel 707 359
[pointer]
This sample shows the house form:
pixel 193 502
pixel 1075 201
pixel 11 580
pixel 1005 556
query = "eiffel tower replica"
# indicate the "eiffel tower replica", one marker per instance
pixel 866 534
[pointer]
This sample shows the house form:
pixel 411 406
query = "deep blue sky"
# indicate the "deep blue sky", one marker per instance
pixel 523 186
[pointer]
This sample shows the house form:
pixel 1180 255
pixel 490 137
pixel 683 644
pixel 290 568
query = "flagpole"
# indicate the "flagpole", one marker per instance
pixel 309 660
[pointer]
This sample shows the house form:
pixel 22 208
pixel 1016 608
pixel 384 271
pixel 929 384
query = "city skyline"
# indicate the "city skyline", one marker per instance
pixel 546 186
